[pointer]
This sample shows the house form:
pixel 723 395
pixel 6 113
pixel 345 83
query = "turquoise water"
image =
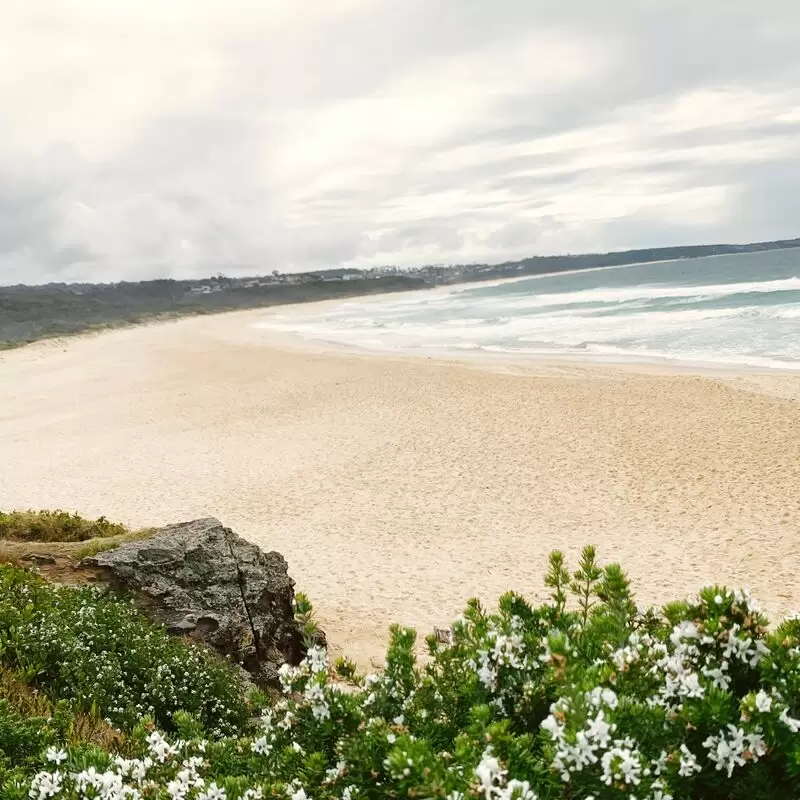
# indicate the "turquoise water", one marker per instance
pixel 724 310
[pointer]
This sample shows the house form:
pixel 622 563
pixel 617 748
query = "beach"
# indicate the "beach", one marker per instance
pixel 399 487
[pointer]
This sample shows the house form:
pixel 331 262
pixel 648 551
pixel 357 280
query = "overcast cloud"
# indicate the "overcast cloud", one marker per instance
pixel 147 138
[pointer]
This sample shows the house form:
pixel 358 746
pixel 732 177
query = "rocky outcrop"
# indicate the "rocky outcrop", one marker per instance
pixel 202 580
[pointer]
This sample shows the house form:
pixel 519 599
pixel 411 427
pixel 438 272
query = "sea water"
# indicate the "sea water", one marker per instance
pixel 730 310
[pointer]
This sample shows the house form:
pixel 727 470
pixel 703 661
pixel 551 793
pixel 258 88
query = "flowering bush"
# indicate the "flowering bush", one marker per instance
pixel 102 655
pixel 582 698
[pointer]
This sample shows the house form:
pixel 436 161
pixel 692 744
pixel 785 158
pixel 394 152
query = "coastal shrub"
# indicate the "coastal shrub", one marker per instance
pixel 584 697
pixel 30 724
pixel 23 739
pixel 101 654
pixel 55 526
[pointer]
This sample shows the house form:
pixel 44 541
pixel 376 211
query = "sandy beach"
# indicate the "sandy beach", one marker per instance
pixel 397 488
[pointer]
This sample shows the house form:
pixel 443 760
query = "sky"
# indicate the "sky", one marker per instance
pixel 146 138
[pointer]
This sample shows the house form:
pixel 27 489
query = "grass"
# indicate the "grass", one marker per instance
pixel 61 538
pixel 99 545
pixel 26 701
pixel 55 526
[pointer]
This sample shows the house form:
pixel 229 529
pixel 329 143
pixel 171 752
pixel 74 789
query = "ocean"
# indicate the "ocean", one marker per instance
pixel 734 310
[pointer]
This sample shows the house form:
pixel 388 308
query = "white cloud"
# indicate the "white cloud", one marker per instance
pixel 142 139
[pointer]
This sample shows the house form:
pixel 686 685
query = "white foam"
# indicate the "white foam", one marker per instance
pixel 651 292
pixel 691 323
pixel 786 313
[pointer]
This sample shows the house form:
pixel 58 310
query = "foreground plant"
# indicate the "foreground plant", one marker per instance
pixel 100 654
pixel 583 697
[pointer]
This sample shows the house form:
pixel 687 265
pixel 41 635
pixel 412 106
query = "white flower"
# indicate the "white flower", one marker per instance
pixel 297 748
pixel 287 675
pixel 299 794
pixel 599 730
pixel 732 749
pixel 660 763
pixel 391 738
pixel 684 630
pixel 691 686
pixel 688 763
pixel 159 747
pixel 133 768
pixel 336 772
pixel 553 727
pixel 609 697
pixel 287 720
pixel 602 695
pixel 261 746
pixel 719 677
pixel 489 773
pixel 621 764
pixel 55 755
pixel 501 650
pixel 624 656
pixel 177 789
pixel 317 659
pixel 45 784
pixel 763 702
pixel 87 777
pixel 213 792
pixel 790 722
pixel 315 694
pixel 518 790
pixel 658 792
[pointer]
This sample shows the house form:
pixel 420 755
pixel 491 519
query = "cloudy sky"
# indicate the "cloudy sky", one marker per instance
pixel 146 138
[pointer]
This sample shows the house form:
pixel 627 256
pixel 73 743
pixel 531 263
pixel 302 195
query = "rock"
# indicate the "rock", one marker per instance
pixel 201 579
pixel 39 558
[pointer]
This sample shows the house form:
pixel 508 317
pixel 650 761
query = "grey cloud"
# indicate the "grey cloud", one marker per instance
pixel 444 232
pixel 766 202
pixel 198 189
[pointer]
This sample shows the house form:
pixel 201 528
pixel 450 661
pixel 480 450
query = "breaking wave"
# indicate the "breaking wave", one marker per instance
pixel 730 310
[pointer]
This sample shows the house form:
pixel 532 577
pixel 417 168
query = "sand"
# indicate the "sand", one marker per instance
pixel 397 488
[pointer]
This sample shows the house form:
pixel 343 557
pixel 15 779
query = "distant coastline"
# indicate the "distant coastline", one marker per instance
pixel 31 313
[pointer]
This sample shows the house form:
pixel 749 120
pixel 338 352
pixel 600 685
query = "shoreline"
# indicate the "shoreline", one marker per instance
pixel 527 361
pixel 603 359
pixel 397 486
pixel 758 378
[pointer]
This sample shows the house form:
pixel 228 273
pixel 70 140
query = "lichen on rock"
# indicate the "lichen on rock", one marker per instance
pixel 202 580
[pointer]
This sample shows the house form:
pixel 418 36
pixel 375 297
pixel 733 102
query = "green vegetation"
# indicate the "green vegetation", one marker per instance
pixel 55 526
pixel 67 536
pixel 30 722
pixel 29 313
pixel 99 545
pixel 100 654
pixel 582 697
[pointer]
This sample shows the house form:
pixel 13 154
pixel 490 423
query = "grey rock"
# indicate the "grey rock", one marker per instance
pixel 185 625
pixel 39 558
pixel 199 578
